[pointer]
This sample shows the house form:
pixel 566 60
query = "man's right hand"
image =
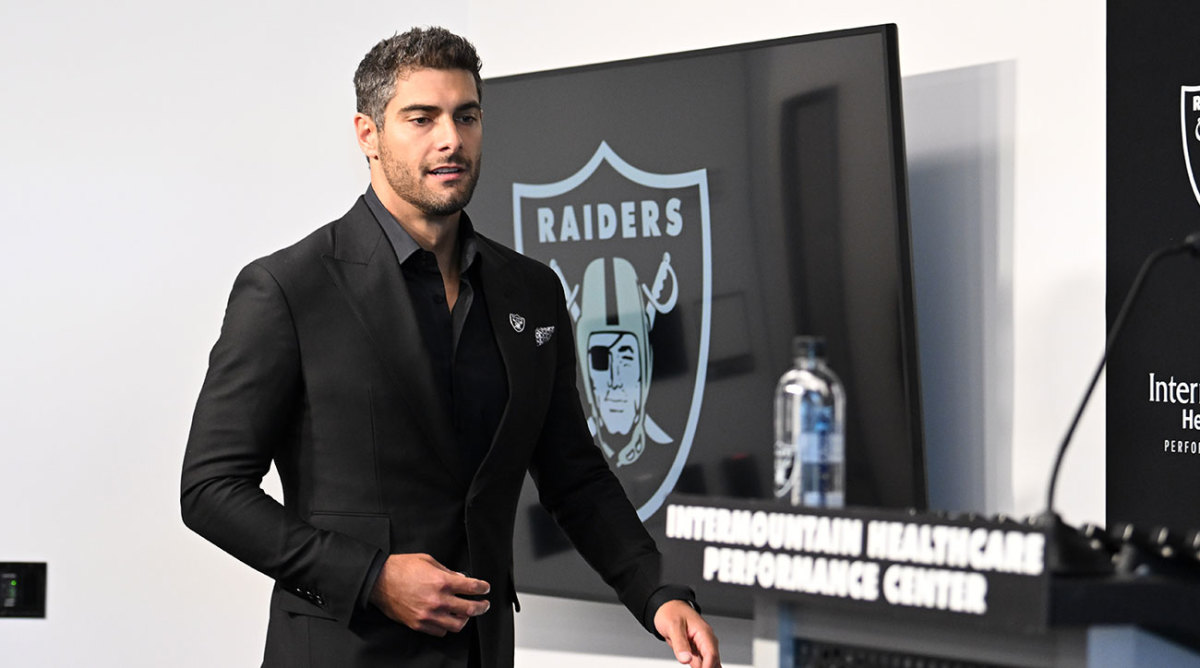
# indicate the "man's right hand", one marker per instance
pixel 417 591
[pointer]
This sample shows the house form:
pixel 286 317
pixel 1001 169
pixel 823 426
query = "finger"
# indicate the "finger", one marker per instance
pixel 433 622
pixel 461 607
pixel 439 624
pixel 469 586
pixel 706 646
pixel 452 623
pixel 678 639
pixel 430 628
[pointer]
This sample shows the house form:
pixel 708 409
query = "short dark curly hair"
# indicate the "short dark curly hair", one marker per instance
pixel 432 47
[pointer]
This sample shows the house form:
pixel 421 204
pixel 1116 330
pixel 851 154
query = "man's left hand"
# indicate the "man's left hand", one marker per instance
pixel 690 637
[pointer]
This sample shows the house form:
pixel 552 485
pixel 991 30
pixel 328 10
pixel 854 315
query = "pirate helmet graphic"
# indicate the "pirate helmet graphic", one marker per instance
pixel 613 336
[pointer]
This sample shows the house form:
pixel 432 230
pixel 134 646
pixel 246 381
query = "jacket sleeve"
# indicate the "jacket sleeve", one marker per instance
pixel 579 490
pixel 250 412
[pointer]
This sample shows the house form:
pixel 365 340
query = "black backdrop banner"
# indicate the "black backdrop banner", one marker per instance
pixel 1153 434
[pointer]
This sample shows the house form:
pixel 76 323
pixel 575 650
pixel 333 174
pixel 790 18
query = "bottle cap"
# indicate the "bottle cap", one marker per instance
pixel 808 346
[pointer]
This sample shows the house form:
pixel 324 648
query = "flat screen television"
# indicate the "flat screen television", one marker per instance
pixel 701 209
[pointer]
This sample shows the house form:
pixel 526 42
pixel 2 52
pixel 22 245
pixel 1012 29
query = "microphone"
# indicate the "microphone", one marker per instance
pixel 1063 553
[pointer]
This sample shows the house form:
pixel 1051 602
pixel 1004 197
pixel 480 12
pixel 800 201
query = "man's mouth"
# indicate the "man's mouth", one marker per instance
pixel 448 170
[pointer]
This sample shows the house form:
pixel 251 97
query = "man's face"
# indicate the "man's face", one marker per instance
pixel 615 372
pixel 431 142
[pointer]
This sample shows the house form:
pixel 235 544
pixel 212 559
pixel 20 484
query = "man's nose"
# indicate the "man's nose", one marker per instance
pixel 448 137
pixel 615 379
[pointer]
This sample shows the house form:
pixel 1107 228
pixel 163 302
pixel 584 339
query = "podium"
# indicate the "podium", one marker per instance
pixel 877 587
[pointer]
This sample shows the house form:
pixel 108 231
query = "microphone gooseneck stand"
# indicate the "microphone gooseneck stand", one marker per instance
pixel 1067 550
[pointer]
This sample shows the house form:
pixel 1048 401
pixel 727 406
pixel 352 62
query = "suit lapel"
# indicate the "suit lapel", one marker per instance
pixel 364 266
pixel 504 299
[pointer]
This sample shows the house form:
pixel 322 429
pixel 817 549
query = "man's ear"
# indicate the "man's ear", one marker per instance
pixel 368 136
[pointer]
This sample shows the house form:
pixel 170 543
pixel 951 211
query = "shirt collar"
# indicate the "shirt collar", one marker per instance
pixel 403 243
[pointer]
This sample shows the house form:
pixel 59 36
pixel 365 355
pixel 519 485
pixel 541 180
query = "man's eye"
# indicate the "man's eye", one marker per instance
pixel 420 120
pixel 468 119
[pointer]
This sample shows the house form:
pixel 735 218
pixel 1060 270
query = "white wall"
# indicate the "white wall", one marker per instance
pixel 149 149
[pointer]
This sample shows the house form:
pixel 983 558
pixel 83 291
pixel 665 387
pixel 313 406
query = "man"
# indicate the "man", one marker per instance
pixel 403 373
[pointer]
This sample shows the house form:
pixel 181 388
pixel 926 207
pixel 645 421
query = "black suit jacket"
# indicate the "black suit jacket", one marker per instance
pixel 320 367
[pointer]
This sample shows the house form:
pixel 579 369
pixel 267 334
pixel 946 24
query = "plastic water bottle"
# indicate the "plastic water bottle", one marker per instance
pixel 810 427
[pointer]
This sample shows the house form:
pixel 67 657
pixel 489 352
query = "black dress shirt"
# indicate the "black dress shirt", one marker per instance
pixel 467 366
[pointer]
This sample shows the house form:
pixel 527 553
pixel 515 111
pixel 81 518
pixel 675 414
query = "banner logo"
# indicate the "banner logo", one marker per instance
pixel 632 251
pixel 1189 103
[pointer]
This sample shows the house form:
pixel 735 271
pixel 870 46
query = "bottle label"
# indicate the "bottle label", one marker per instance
pixel 822 462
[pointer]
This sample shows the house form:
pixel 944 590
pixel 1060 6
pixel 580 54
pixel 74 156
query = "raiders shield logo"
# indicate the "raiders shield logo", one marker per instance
pixel 632 250
pixel 1189 102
